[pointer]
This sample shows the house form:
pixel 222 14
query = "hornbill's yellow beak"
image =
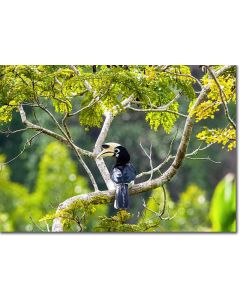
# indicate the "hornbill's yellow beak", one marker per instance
pixel 108 149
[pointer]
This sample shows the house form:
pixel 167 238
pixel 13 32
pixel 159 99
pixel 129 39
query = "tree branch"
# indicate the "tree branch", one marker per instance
pixel 166 160
pixel 79 152
pixel 8 132
pixel 48 132
pixel 97 148
pixel 157 110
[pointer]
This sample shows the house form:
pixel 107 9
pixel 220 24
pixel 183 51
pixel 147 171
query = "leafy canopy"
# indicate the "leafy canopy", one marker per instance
pixel 64 89
pixel 93 89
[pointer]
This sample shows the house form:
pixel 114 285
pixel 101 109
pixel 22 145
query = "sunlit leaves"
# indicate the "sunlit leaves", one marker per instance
pixel 165 119
pixel 205 110
pixel 227 84
pixel 6 113
pixel 219 95
pixel 225 137
pixel 92 115
pixel 59 85
pixel 215 97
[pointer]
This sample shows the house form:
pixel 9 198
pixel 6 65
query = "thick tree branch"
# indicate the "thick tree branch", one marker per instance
pixel 48 132
pixel 66 140
pixel 97 148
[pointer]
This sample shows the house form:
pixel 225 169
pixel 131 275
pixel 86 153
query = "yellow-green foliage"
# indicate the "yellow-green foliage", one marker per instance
pixel 57 180
pixel 164 88
pixel 62 88
pixel 80 212
pixel 227 84
pixel 156 203
pixel 12 197
pixel 57 177
pixel 205 110
pixel 223 205
pixel 209 107
pixel 6 113
pixel 118 223
pixel 225 137
pixel 189 213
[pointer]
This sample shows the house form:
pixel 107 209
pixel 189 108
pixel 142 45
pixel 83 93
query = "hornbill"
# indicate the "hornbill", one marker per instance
pixel 122 174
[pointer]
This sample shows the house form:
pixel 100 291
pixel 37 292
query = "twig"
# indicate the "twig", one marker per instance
pixel 48 229
pixel 204 158
pixel 161 212
pixel 194 152
pixel 223 97
pixel 8 132
pixel 164 202
pixel 150 159
pixel 34 223
pixel 28 142
pixel 65 125
pixel 166 160
pixel 157 110
pixel 185 75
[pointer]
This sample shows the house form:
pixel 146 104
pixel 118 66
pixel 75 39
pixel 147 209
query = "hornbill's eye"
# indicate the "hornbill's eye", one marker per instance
pixel 116 152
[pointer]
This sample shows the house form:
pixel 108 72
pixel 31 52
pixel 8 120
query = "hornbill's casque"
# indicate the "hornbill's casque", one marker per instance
pixel 122 174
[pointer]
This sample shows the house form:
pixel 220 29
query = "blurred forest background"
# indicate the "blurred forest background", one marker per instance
pixel 201 197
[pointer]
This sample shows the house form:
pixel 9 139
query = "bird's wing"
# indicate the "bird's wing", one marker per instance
pixel 129 173
pixel 123 174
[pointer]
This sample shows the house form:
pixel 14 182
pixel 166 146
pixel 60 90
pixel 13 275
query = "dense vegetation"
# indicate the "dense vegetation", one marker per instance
pixel 71 102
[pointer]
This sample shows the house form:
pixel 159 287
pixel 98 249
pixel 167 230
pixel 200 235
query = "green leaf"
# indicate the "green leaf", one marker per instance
pixel 223 205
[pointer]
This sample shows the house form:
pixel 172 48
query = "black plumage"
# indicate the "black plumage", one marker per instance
pixel 122 174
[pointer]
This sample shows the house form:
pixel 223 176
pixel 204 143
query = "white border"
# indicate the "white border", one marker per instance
pixel 119 266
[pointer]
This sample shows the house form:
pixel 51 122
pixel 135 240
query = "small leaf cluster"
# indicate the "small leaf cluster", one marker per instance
pixel 118 223
pixel 225 137
pixel 209 107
